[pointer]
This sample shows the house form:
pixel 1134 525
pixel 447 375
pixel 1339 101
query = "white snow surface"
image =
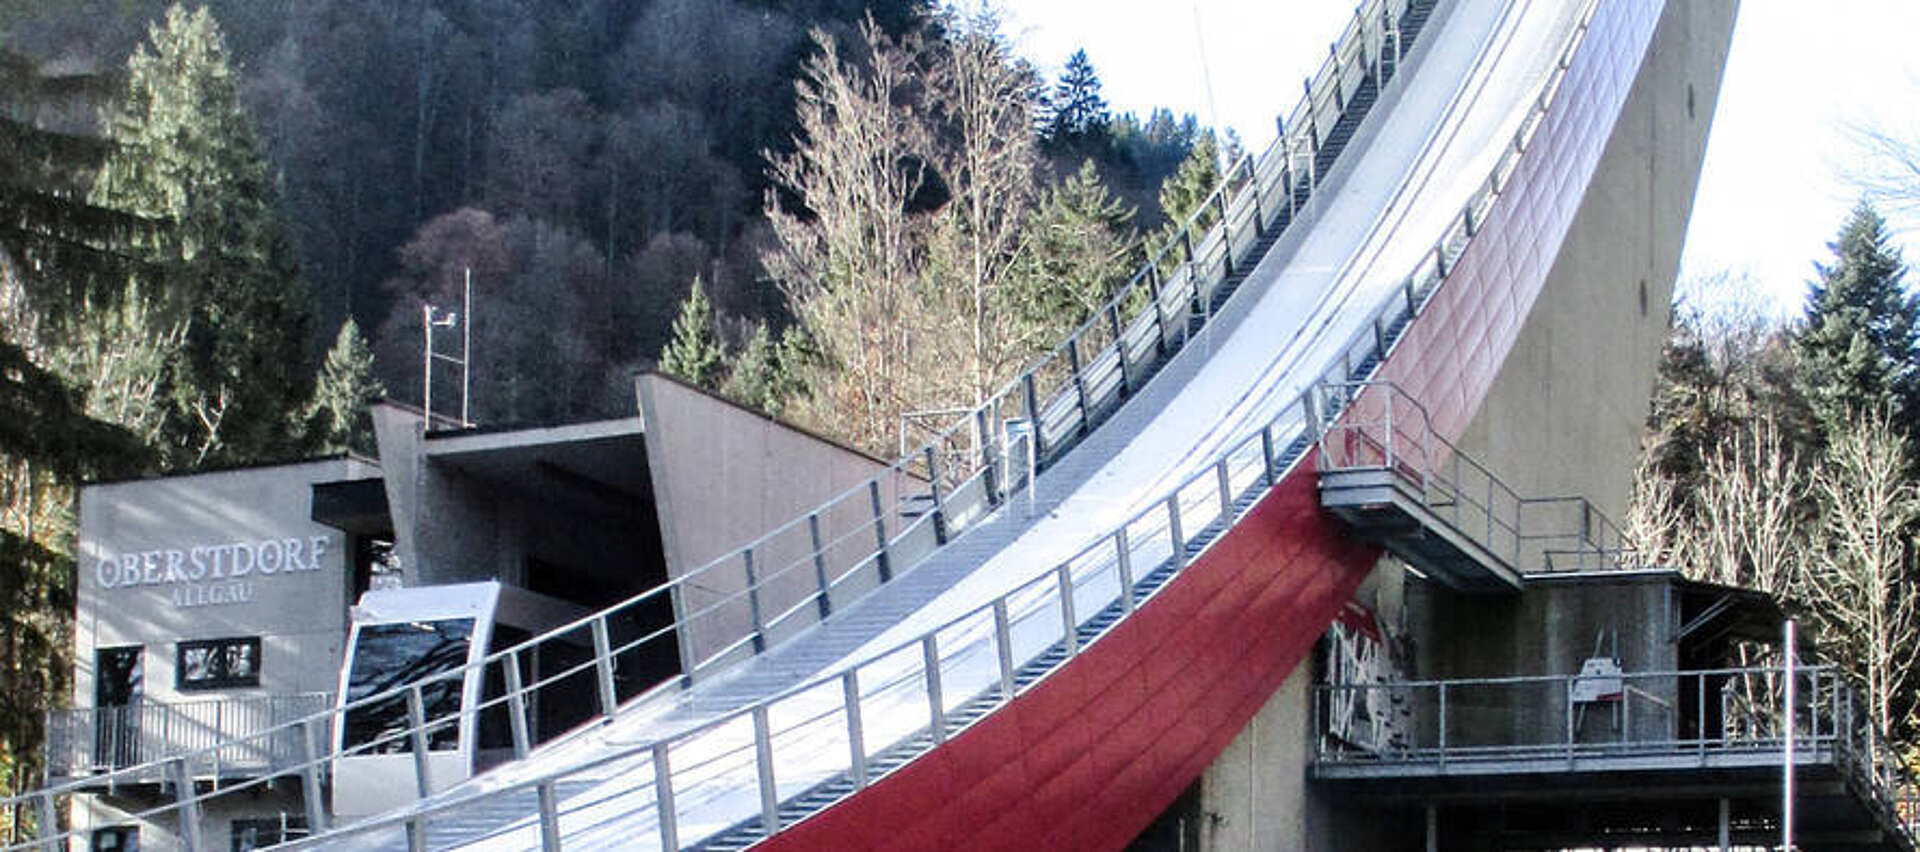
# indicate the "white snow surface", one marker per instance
pixel 1428 146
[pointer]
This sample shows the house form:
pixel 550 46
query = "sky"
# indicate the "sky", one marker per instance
pixel 1782 162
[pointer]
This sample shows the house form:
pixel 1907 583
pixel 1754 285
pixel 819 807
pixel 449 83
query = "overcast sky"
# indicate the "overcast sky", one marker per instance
pixel 1777 181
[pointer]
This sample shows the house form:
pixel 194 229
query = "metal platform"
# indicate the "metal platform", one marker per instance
pixel 1386 473
pixel 1515 763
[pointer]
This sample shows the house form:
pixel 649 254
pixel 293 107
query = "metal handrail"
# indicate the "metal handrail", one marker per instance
pixel 86 741
pixel 1828 720
pixel 1209 506
pixel 1236 207
pixel 1387 430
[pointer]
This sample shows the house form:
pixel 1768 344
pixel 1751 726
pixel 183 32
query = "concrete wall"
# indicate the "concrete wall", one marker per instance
pixel 1257 796
pixel 158 528
pixel 1564 416
pixel 1550 629
pixel 447 527
pixel 1567 410
pixel 163 835
pixel 724 476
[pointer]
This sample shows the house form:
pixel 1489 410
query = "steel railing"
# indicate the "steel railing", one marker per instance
pixel 1387 430
pixel 1699 718
pixel 92 741
pixel 1140 556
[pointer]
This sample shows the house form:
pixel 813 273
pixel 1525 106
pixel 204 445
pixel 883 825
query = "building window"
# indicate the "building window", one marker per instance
pixel 250 834
pixel 219 663
pixel 120 838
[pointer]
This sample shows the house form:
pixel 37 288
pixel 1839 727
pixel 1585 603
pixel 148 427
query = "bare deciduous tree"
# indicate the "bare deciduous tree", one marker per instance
pixel 986 95
pixel 849 262
pixel 1859 583
pixel 1751 523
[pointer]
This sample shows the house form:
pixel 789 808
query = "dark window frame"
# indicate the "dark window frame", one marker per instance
pixel 252 833
pixel 220 658
pixel 114 838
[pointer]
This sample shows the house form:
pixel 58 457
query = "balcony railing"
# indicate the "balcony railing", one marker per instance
pixel 1386 430
pixel 231 737
pixel 1706 719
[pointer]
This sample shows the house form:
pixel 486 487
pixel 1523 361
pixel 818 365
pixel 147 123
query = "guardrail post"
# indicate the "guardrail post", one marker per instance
pixel 1226 493
pixel 547 801
pixel 1267 474
pixel 1152 277
pixel 1226 234
pixel 1489 538
pixel 1389 441
pixel 1034 426
pixel 856 732
pixel 517 706
pixel 763 761
pixel 1079 383
pixel 936 702
pixel 310 777
pixel 603 667
pixel 825 599
pixel 1700 712
pixel 1068 620
pixel 188 805
pixel 417 739
pixel 1311 407
pixel 1570 732
pixel 1443 724
pixel 663 797
pixel 1123 566
pixel 1003 644
pixel 881 560
pixel 753 605
pixel 49 823
pixel 933 489
pixel 1119 347
pixel 1174 534
pixel 988 466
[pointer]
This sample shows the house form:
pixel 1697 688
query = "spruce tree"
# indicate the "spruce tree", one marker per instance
pixel 1080 248
pixel 1077 122
pixel 761 377
pixel 694 353
pixel 220 269
pixel 1857 349
pixel 338 417
pixel 1184 192
pixel 55 279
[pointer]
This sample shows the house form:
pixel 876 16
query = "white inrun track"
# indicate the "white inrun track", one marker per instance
pixel 1426 148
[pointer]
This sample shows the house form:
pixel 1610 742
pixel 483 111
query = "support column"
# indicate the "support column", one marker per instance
pixel 1727 826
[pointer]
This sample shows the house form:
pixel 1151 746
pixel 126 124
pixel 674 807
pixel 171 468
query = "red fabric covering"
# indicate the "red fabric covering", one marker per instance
pixel 1091 755
pixel 1095 751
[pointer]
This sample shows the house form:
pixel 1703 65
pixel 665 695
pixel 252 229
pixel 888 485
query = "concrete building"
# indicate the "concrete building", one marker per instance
pixel 222 606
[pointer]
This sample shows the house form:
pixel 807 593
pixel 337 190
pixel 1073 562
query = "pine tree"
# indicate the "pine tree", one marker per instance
pixel 338 417
pixel 1081 247
pixel 220 269
pixel 1183 193
pixel 1857 349
pixel 694 353
pixel 1077 122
